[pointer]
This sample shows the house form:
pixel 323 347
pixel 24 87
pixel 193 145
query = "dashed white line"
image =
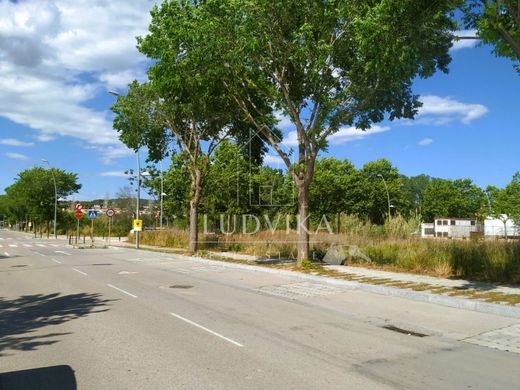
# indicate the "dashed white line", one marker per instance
pixel 123 291
pixel 13 245
pixel 38 253
pixel 62 252
pixel 6 254
pixel 81 272
pixel 56 261
pixel 206 329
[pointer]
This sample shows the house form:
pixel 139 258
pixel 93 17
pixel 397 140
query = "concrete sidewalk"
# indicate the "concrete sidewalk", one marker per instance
pixel 459 284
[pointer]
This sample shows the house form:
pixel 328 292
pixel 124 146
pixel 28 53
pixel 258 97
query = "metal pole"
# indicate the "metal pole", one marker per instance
pixel 55 196
pixel 162 195
pixel 109 223
pixel 138 196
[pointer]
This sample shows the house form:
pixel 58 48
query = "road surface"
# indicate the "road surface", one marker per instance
pixel 125 319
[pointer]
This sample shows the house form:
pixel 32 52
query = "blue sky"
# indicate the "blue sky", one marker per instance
pixel 55 70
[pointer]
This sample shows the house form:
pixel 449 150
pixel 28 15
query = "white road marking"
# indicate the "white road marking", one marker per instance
pixel 13 245
pixel 65 253
pixel 54 245
pixel 41 245
pixel 27 245
pixel 38 253
pixel 7 254
pixel 123 291
pixel 206 329
pixel 1 246
pixel 56 261
pixel 81 272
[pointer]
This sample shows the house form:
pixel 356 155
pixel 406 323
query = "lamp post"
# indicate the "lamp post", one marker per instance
pixel 55 195
pixel 387 195
pixel 162 197
pixel 138 198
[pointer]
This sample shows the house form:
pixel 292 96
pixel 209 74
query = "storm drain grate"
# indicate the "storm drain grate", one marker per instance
pixel 19 265
pixel 101 264
pixel 181 286
pixel 404 331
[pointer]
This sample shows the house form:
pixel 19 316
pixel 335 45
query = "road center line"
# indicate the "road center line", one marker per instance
pixel 81 272
pixel 123 291
pixel 206 329
pixel 56 261
pixel 65 253
pixel 38 253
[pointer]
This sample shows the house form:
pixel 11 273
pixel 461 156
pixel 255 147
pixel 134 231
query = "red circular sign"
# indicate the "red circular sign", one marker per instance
pixel 78 213
pixel 110 213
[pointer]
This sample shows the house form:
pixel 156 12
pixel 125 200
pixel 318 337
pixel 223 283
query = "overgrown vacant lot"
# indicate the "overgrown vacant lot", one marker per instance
pixel 390 247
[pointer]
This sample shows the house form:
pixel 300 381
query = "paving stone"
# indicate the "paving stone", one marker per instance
pixel 504 339
pixel 299 290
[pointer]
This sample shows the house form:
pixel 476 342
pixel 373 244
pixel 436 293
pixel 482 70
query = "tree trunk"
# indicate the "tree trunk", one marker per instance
pixel 194 210
pixel 303 223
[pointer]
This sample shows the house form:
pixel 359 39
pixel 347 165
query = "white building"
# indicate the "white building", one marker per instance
pixel 427 230
pixel 495 227
pixel 450 228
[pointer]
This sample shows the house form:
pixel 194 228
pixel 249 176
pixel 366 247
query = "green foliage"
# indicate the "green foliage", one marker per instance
pixel 457 198
pixel 497 23
pixel 32 194
pixel 486 261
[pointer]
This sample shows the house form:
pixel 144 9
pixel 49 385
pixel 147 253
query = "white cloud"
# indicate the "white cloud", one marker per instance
pixel 56 56
pixel 17 156
pixel 270 159
pixel 347 134
pixel 426 142
pixel 437 110
pixel 284 122
pixel 464 43
pixel 110 153
pixel 113 174
pixel 15 142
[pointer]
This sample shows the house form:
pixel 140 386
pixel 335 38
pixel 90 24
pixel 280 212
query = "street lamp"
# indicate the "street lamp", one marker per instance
pixel 115 93
pixel 55 195
pixel 162 196
pixel 387 195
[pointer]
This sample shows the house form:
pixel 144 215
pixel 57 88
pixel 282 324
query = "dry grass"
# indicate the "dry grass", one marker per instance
pixel 390 247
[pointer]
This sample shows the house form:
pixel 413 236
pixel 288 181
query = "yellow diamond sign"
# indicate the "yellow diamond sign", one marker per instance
pixel 138 225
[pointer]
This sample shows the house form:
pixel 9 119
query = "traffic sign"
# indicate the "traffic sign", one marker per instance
pixel 78 206
pixel 138 225
pixel 92 214
pixel 110 213
pixel 78 214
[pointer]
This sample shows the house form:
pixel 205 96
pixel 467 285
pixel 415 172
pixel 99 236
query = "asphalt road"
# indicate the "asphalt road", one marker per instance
pixel 125 319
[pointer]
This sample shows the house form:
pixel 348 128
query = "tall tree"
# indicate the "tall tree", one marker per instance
pixel 334 189
pixel 452 198
pixel 326 65
pixel 498 23
pixel 33 192
pixel 184 107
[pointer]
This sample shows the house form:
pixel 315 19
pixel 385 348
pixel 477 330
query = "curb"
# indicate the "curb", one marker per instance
pixel 443 300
